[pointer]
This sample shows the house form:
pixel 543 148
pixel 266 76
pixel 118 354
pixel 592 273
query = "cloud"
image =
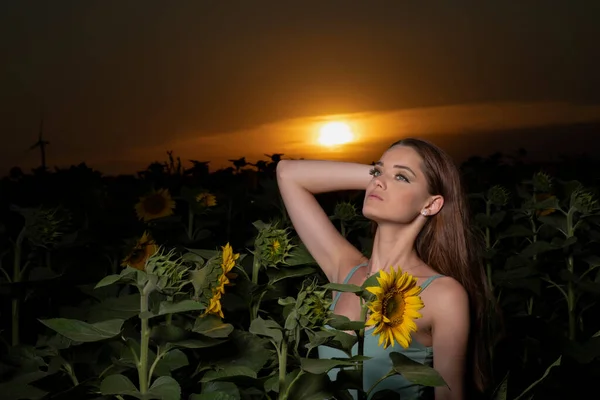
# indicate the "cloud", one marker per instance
pixel 374 131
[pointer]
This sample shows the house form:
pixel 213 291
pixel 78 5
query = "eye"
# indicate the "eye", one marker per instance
pixel 401 177
pixel 375 172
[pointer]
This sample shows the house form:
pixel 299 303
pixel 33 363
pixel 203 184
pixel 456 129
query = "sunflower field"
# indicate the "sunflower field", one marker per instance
pixel 188 284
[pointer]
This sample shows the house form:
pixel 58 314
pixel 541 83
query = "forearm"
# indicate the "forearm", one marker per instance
pixel 318 176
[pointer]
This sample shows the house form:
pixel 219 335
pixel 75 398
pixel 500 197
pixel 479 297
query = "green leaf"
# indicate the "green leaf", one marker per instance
pixel 536 248
pixel 310 387
pixel 171 361
pixel 168 307
pixel 501 390
pixel 300 256
pixel 321 366
pixel 123 307
pixel 119 384
pixel 268 328
pixel 213 396
pixel 556 221
pixel 343 323
pixel 108 280
pixel 165 388
pixel 416 372
pixel 228 372
pixel 18 391
pixel 80 331
pixel 534 384
pixel 221 388
pixel 286 273
pixel 515 231
pixel 212 326
pixel 343 287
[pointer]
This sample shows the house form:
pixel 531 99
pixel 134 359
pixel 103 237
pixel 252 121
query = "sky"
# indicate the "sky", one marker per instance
pixel 119 83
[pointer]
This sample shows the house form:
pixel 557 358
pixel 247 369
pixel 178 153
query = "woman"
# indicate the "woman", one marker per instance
pixel 415 198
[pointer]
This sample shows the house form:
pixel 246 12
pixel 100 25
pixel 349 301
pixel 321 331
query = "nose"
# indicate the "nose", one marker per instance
pixel 379 182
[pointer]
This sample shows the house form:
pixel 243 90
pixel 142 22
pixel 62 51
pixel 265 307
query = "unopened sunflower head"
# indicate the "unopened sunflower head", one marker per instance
pixel 584 201
pixel 542 182
pixel 498 195
pixel 44 227
pixel 170 270
pixel 345 211
pixel 395 307
pixel 273 245
pixel 154 205
pixel 140 253
pixel 206 200
pixel 314 310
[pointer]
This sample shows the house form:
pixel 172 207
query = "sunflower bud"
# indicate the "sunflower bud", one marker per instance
pixel 583 201
pixel 542 182
pixel 43 227
pixel 498 195
pixel 272 245
pixel 344 211
pixel 169 269
pixel 314 311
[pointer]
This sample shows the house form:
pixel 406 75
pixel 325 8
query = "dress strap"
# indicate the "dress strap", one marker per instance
pixel 353 270
pixel 338 294
pixel 429 280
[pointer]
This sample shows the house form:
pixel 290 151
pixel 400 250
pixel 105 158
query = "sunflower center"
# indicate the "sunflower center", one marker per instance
pixel 393 306
pixel 155 204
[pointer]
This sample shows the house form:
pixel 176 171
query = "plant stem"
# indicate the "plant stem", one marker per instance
pixel 570 289
pixel 488 263
pixel 159 356
pixel 190 228
pixel 144 343
pixel 256 265
pixel 17 275
pixel 283 366
pixel 361 348
pixel 287 390
pixel 69 370
pixel 392 372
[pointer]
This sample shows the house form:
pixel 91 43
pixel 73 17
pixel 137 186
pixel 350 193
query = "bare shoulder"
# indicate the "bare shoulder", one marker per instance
pixel 447 295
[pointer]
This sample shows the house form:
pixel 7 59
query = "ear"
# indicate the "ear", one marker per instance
pixel 433 205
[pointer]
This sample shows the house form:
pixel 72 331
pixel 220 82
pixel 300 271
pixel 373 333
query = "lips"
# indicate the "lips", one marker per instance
pixel 374 196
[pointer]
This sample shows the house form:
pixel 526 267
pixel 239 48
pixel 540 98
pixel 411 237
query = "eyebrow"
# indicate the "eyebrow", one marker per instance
pixel 380 163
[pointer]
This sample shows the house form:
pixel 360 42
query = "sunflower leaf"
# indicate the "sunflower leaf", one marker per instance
pixel 81 331
pixel 168 307
pixel 416 372
pixel 108 280
pixel 343 323
pixel 343 287
pixel 321 366
pixel 268 328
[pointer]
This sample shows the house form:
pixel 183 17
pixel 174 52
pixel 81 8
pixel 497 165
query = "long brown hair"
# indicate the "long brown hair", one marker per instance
pixel 450 245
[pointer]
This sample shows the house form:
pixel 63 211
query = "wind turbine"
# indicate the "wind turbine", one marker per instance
pixel 41 143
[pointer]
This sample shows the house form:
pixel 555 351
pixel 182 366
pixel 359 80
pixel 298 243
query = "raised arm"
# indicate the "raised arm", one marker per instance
pixel 299 181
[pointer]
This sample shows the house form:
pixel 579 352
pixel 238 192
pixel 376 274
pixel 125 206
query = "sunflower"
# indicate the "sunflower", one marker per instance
pixel 206 199
pixel 395 307
pixel 156 204
pixel 141 252
pixel 227 264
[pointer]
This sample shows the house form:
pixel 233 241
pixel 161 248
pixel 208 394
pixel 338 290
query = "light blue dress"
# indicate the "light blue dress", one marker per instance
pixel 380 363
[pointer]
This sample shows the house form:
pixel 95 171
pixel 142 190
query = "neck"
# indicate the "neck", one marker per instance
pixel 393 246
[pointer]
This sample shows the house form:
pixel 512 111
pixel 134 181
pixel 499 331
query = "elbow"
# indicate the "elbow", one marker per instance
pixel 283 169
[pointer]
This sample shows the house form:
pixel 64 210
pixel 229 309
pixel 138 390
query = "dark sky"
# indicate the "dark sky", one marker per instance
pixel 121 82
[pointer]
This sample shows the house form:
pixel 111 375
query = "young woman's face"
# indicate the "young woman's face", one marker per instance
pixel 398 190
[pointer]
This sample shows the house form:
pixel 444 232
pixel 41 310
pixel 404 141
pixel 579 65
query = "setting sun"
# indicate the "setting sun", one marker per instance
pixel 334 133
